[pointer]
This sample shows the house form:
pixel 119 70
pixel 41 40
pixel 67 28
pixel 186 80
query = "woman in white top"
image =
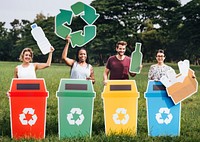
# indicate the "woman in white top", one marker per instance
pixel 27 68
pixel 80 68
pixel 160 69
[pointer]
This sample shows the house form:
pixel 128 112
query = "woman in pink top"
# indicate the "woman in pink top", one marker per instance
pixel 27 68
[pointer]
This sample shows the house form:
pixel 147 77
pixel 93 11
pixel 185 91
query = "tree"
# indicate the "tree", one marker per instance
pixel 13 36
pixel 154 23
pixel 26 40
pixel 189 32
pixel 3 41
pixel 125 20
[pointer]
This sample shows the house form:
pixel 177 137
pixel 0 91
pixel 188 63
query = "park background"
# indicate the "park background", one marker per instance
pixel 156 24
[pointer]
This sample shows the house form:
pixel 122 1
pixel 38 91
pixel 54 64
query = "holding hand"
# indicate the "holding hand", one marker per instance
pixel 68 39
pixel 105 82
pixel 52 49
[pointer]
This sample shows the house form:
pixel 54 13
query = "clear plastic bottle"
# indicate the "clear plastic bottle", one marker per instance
pixel 136 59
pixel 39 36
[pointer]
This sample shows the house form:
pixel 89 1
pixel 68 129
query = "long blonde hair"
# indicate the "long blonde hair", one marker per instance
pixel 26 50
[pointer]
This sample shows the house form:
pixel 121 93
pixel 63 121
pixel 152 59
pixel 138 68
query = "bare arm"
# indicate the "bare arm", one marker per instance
pixel 105 75
pixel 47 64
pixel 67 60
pixel 91 75
pixel 15 73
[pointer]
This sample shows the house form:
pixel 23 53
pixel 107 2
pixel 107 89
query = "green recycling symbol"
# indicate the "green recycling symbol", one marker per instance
pixel 78 38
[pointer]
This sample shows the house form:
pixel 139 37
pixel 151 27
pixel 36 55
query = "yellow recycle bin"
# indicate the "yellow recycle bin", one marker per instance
pixel 120 98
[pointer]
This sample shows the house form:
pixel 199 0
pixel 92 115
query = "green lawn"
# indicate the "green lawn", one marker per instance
pixel 190 112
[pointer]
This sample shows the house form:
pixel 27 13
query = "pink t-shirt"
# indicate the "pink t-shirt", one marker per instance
pixel 119 69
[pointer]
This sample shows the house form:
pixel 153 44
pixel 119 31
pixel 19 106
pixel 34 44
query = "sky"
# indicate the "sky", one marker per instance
pixel 27 9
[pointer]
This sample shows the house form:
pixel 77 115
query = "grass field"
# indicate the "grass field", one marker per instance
pixel 190 109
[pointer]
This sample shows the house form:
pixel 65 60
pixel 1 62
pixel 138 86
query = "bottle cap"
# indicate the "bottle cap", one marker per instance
pixel 33 25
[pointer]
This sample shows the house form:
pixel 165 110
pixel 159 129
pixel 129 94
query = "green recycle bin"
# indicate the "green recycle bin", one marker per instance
pixel 75 108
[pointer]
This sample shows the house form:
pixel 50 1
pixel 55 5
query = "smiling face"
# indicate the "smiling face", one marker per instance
pixel 121 49
pixel 82 55
pixel 160 57
pixel 27 57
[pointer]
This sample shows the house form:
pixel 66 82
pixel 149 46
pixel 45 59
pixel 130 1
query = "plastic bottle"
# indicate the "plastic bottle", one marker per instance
pixel 136 59
pixel 39 36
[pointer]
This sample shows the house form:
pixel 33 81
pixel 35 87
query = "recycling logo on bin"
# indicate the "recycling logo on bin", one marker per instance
pixel 23 117
pixel 117 119
pixel 159 116
pixel 70 116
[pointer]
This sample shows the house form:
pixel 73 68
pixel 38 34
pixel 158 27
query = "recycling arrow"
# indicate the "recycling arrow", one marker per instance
pixel 63 17
pixel 90 15
pixel 22 117
pixel 81 37
pixel 70 118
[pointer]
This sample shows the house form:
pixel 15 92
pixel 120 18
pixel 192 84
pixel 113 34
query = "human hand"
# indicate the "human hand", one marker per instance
pixel 105 82
pixel 90 78
pixel 156 79
pixel 141 67
pixel 132 74
pixel 68 39
pixel 8 94
pixel 52 49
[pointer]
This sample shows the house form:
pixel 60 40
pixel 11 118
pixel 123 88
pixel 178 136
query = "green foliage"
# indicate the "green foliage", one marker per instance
pixel 190 114
pixel 134 21
pixel 189 33
pixel 156 24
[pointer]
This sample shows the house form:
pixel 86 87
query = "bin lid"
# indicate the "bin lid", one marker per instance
pixel 28 88
pixel 28 85
pixel 155 89
pixel 120 88
pixel 75 85
pixel 75 94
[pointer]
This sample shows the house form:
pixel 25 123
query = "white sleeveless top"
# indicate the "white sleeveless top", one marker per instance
pixel 80 72
pixel 26 72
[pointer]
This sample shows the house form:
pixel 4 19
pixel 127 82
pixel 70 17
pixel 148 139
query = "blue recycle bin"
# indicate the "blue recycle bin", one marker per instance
pixel 163 116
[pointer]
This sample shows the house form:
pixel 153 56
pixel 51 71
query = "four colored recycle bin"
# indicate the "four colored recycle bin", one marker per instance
pixel 75 107
pixel 120 99
pixel 162 114
pixel 28 98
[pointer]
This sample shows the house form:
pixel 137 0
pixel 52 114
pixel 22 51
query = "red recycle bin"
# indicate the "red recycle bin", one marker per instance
pixel 28 99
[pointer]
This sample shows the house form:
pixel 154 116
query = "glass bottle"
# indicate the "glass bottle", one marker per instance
pixel 136 59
